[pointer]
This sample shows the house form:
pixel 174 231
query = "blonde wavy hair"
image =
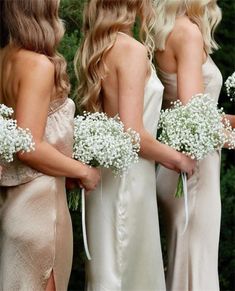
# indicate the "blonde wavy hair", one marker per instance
pixel 102 21
pixel 205 13
pixel 35 25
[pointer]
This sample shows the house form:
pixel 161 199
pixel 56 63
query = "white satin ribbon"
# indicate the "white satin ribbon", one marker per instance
pixel 84 234
pixel 84 226
pixel 185 190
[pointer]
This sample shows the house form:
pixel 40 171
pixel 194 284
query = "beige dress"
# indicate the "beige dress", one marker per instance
pixel 193 256
pixel 122 220
pixel 35 224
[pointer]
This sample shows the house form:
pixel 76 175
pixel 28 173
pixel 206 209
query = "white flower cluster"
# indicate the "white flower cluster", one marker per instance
pixel 197 128
pixel 5 111
pixel 102 141
pixel 12 138
pixel 230 87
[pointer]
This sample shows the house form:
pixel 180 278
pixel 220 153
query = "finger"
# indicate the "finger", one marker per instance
pixel 190 174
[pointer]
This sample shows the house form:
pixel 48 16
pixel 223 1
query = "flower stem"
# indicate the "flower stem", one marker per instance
pixel 73 199
pixel 179 191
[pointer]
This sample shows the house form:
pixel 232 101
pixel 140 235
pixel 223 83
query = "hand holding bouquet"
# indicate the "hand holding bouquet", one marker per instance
pixel 100 141
pixel 13 139
pixel 195 129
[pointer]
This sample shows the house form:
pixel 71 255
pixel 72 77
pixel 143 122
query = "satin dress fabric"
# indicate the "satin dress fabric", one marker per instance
pixel 122 220
pixel 35 224
pixel 192 256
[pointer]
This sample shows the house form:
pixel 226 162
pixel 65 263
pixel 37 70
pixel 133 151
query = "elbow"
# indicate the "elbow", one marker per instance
pixel 29 157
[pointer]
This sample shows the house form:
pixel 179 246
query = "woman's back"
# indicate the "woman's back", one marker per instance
pixel 183 30
pixel 15 66
pixel 124 45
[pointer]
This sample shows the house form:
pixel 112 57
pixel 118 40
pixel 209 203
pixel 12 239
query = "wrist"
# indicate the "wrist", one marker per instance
pixel 81 171
pixel 177 159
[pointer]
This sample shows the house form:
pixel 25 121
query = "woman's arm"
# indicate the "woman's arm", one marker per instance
pixel 33 98
pixel 188 49
pixel 132 71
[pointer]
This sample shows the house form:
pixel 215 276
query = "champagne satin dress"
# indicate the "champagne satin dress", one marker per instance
pixel 122 220
pixel 35 225
pixel 193 256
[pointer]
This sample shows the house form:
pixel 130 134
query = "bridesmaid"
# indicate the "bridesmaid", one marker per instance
pixel 184 42
pixel 116 77
pixel 35 225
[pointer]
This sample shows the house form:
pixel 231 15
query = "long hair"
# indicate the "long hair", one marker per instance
pixel 35 25
pixel 102 21
pixel 205 13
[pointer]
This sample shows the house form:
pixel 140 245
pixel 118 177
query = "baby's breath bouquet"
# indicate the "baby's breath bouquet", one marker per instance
pixel 13 139
pixel 195 129
pixel 100 141
pixel 103 141
pixel 230 87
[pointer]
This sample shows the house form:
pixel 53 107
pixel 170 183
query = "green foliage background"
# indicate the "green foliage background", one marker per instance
pixel 71 12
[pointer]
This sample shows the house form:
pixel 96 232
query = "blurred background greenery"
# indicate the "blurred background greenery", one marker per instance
pixel 71 13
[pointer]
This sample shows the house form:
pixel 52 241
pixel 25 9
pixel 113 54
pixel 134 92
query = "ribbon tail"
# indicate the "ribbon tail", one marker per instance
pixel 185 189
pixel 84 226
pixel 101 188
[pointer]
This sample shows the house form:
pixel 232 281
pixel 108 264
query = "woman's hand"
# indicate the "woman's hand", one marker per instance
pixel 186 165
pixel 181 163
pixel 90 179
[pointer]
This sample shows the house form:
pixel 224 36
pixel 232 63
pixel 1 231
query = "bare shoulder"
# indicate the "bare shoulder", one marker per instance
pixel 185 31
pixel 128 47
pixel 31 62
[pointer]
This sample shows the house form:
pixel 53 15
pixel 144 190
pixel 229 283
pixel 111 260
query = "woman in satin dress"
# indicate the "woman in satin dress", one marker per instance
pixel 116 76
pixel 35 224
pixel 184 41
